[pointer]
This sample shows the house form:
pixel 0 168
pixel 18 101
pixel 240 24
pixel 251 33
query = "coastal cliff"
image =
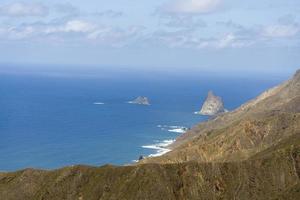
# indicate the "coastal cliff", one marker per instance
pixel 213 105
pixel 252 152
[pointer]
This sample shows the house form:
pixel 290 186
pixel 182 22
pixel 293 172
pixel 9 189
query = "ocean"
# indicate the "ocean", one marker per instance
pixel 54 121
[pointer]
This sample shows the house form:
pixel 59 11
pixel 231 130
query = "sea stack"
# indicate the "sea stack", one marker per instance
pixel 141 101
pixel 213 105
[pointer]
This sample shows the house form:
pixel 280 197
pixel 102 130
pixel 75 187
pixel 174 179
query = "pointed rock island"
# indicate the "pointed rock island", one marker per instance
pixel 141 101
pixel 213 105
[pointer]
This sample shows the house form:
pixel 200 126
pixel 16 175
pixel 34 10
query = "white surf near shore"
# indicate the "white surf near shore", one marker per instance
pixel 160 147
pixel 177 130
pixel 173 129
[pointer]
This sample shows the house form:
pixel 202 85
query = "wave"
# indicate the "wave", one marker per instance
pixel 98 103
pixel 178 130
pixel 173 129
pixel 160 147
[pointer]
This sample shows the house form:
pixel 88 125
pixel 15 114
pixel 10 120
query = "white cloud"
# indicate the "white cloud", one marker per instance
pixel 75 26
pixel 43 30
pixel 187 39
pixel 226 41
pixel 79 26
pixel 280 31
pixel 19 9
pixel 16 33
pixel 116 37
pixel 72 30
pixel 183 21
pixel 229 40
pixel 191 6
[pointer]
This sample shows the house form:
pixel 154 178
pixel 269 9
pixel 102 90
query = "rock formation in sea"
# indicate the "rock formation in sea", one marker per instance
pixel 213 105
pixel 141 101
pixel 252 152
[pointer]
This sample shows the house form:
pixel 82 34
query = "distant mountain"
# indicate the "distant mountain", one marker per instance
pixel 252 152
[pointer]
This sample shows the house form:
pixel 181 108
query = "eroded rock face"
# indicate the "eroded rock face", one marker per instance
pixel 213 105
pixel 141 101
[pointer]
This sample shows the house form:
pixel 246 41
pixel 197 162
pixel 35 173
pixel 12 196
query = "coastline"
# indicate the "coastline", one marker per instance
pixel 162 147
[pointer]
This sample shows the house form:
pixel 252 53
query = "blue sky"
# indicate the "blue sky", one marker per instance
pixel 259 35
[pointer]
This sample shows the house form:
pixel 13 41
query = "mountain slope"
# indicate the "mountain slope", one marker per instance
pixel 237 135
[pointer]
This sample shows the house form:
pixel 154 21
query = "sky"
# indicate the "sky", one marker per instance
pixel 220 35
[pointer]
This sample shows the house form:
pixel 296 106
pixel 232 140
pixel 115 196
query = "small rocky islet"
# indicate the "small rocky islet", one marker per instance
pixel 212 106
pixel 140 101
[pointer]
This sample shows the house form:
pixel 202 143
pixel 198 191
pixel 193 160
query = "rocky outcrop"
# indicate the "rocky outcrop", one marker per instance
pixel 213 105
pixel 141 101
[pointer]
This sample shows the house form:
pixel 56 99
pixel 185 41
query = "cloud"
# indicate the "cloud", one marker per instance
pixel 117 37
pixel 75 26
pixel 286 27
pixel 190 39
pixel 171 38
pixel 20 9
pixel 16 33
pixel 33 31
pixel 183 21
pixel 233 40
pixel 280 31
pixel 226 41
pixel 191 6
pixel 230 24
pixel 110 14
pixel 72 30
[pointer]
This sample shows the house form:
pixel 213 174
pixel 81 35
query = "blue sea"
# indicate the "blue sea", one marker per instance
pixel 51 121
